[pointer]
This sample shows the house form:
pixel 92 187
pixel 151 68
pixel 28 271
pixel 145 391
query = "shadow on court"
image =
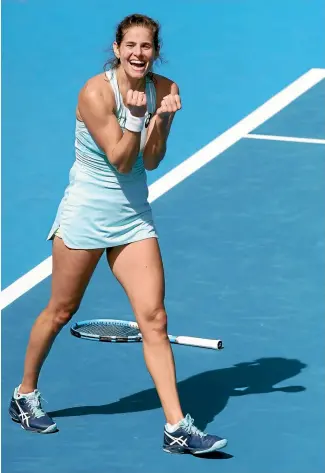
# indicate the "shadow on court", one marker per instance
pixel 215 386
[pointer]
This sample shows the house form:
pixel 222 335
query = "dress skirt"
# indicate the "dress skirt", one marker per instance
pixel 103 210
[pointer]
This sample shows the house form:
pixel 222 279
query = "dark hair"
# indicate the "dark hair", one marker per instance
pixel 135 20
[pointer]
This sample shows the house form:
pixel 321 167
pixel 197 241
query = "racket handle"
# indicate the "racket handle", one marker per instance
pixel 198 342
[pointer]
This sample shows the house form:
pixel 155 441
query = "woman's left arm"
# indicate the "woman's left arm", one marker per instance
pixel 159 127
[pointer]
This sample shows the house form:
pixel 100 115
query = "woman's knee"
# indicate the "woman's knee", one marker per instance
pixel 153 323
pixel 61 313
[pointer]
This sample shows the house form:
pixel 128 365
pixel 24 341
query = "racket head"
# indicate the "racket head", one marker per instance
pixel 107 330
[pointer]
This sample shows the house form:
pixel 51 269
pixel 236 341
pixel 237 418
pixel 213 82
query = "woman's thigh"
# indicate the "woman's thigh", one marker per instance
pixel 139 269
pixel 71 272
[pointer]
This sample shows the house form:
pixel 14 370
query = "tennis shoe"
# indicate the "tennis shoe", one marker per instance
pixel 26 409
pixel 187 438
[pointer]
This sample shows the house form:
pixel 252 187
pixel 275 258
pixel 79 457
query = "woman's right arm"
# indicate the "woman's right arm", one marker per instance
pixel 96 109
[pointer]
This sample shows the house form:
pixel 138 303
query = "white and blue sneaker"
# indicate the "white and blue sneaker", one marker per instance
pixel 184 437
pixel 26 409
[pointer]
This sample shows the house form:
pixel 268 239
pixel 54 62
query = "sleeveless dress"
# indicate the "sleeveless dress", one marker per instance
pixel 101 207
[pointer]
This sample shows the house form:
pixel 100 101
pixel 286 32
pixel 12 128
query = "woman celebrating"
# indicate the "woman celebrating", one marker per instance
pixel 124 117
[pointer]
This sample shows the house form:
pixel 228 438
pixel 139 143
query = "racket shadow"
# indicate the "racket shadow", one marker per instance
pixel 254 377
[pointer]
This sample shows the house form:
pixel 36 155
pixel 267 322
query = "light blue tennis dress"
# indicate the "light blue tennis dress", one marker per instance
pixel 101 207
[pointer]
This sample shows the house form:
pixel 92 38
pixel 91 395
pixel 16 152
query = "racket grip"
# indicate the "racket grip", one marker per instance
pixel 199 342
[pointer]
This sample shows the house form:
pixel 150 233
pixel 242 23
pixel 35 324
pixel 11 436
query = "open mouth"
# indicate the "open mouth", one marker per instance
pixel 138 65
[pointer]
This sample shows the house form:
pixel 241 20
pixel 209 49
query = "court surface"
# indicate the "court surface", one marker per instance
pixel 241 227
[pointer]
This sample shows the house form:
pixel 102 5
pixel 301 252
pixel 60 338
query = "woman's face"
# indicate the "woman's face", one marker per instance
pixel 136 51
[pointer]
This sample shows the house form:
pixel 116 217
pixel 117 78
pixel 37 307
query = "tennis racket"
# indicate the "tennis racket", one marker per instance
pixel 121 331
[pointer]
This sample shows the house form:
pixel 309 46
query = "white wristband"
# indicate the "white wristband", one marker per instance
pixel 133 123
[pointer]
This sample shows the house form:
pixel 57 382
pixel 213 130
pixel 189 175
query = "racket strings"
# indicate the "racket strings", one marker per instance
pixel 108 330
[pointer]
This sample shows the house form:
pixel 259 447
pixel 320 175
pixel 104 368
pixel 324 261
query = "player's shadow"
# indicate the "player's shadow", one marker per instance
pixel 206 394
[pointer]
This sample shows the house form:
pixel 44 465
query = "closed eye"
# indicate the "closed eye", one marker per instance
pixel 143 45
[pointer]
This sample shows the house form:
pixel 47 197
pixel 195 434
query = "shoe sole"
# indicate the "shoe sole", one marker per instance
pixel 215 447
pixel 50 430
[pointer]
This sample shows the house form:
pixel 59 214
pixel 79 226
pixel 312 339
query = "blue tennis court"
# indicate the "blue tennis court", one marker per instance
pixel 244 260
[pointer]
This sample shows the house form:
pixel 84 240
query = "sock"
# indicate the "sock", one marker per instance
pixel 18 394
pixel 173 427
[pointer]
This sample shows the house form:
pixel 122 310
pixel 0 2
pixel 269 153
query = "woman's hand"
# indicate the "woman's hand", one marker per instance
pixel 169 104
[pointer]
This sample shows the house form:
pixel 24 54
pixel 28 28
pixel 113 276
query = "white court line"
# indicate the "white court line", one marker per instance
pixel 187 167
pixel 285 138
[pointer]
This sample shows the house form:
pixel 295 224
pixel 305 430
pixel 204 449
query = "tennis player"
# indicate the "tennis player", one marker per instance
pixel 123 119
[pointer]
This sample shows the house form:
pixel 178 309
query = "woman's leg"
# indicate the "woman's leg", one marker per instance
pixel 139 269
pixel 72 270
